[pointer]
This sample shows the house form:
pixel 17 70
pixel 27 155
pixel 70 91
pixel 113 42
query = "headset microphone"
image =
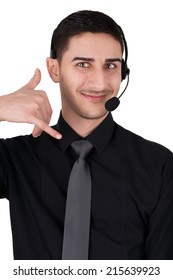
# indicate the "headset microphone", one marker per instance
pixel 114 102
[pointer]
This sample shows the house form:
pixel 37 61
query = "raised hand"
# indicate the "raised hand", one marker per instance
pixel 28 105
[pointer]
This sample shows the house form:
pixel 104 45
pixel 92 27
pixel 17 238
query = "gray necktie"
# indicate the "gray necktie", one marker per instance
pixel 77 215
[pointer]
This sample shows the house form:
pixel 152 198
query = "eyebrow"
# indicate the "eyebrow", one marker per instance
pixel 113 59
pixel 116 59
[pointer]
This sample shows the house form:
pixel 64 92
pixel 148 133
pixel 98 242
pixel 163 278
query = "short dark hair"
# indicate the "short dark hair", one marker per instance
pixel 80 22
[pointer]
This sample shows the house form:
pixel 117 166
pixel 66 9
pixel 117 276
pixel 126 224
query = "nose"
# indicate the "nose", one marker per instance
pixel 97 79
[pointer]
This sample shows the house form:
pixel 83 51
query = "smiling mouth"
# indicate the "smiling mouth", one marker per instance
pixel 92 94
pixel 93 97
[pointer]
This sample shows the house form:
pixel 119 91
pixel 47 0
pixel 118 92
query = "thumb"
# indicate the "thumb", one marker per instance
pixel 35 80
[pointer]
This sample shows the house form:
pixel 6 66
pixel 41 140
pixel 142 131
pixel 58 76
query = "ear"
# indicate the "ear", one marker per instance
pixel 53 69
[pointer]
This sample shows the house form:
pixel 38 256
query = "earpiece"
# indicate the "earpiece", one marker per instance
pixel 124 70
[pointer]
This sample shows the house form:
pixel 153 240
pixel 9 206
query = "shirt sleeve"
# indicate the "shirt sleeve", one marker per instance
pixel 159 242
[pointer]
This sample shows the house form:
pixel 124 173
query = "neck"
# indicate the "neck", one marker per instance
pixel 82 126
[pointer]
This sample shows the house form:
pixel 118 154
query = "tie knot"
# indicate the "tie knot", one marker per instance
pixel 82 148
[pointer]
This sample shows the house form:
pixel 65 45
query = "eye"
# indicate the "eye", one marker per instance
pixel 83 64
pixel 111 66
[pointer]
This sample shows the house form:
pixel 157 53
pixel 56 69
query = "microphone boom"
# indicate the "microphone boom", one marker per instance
pixel 114 102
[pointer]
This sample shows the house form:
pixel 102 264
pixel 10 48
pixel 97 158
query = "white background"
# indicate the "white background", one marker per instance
pixel 25 33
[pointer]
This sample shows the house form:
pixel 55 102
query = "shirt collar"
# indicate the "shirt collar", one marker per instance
pixel 99 138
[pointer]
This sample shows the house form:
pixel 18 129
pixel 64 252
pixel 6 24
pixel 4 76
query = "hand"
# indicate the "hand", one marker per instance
pixel 28 105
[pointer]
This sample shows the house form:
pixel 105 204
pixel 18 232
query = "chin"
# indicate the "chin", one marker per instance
pixel 93 115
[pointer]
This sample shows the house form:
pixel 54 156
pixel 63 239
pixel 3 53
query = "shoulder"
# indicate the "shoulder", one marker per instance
pixel 144 150
pixel 22 144
pixel 136 140
pixel 16 141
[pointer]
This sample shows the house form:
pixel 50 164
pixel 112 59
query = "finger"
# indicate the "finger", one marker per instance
pixel 44 114
pixel 45 127
pixel 35 80
pixel 46 109
pixel 36 131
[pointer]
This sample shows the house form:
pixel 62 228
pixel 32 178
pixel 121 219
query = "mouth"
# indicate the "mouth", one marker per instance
pixel 93 96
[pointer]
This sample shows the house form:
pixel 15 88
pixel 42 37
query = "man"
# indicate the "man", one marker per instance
pixel 132 178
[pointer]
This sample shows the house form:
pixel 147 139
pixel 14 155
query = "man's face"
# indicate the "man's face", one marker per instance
pixel 89 74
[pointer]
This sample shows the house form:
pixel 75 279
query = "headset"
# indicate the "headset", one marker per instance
pixel 114 102
pixel 124 68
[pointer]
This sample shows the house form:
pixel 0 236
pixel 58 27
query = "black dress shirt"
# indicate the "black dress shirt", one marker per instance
pixel 132 193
